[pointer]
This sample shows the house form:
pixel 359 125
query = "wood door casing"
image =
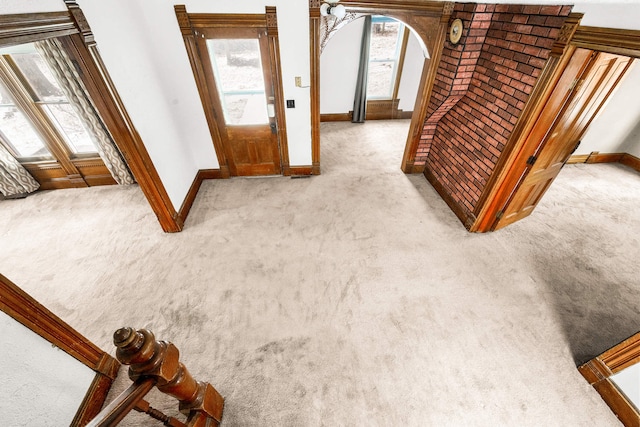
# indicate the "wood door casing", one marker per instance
pixel 590 78
pixel 251 150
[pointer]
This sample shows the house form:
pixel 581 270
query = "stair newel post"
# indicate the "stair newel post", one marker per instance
pixel 148 357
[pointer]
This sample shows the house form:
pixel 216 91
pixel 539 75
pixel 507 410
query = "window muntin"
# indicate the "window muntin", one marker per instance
pixel 384 54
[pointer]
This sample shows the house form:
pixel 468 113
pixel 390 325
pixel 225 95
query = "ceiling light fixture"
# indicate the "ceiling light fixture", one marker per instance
pixel 333 9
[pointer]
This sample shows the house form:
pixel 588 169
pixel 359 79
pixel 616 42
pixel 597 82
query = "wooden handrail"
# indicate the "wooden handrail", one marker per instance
pixel 153 362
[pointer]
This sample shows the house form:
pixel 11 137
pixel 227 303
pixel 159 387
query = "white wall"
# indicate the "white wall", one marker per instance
pixel 40 384
pixel 613 14
pixel 339 64
pixel 339 70
pixel 617 127
pixel 411 73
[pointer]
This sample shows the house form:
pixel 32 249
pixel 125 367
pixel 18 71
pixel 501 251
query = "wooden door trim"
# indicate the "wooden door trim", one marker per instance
pixel 598 371
pixel 25 309
pixel 400 65
pixel 191 24
pixel 223 20
pixel 611 40
pixel 419 15
pixel 425 88
pixel 189 36
pixel 278 92
pixel 314 82
pixel 505 178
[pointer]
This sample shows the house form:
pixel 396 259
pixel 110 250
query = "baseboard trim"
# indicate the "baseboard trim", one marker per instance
pixel 604 158
pixel 595 157
pixel 632 161
pixel 467 219
pixel 336 117
pixel 300 171
pixel 412 168
pixel 195 187
pixel 346 117
pixel 580 158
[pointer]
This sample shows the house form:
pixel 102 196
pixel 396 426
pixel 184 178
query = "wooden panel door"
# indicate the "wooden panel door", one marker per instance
pixel 237 67
pixel 585 85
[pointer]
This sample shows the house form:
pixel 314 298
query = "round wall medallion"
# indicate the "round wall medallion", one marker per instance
pixel 455 32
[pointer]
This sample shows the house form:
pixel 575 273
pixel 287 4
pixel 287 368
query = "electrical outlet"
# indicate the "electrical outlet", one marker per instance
pixel 298 81
pixel 291 103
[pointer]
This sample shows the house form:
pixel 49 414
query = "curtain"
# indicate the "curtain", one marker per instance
pixel 360 98
pixel 14 178
pixel 75 91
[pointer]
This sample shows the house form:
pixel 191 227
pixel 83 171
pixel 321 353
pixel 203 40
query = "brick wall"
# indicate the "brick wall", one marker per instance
pixel 480 90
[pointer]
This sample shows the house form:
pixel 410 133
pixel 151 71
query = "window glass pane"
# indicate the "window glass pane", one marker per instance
pixel 381 77
pixel 39 76
pixel 383 57
pixel 71 128
pixel 384 39
pixel 16 131
pixel 237 67
pixel 245 109
pixel 5 98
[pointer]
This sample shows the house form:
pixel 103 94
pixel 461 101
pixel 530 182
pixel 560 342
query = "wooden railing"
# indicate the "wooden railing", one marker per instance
pixel 155 363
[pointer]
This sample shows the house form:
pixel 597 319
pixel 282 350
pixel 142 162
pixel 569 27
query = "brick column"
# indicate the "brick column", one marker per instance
pixel 480 91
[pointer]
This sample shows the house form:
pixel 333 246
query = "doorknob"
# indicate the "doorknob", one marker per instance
pixel 274 129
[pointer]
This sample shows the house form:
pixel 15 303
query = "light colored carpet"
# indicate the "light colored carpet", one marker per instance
pixel 351 298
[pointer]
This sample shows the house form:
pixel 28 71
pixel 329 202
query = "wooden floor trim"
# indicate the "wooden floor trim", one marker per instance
pixel 631 161
pixel 579 158
pixel 300 170
pixel 195 187
pixel 604 158
pixel 336 117
pixel 596 157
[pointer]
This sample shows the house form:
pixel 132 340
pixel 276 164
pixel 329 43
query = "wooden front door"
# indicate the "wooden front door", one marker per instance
pixel 582 90
pixel 236 63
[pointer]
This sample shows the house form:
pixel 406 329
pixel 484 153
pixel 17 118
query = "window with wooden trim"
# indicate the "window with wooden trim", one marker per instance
pixel 386 50
pixel 39 126
pixel 37 122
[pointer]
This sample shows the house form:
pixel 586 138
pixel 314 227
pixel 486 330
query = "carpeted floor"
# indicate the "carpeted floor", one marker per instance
pixel 351 298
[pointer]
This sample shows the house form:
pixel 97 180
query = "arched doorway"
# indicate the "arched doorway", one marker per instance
pixel 428 20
